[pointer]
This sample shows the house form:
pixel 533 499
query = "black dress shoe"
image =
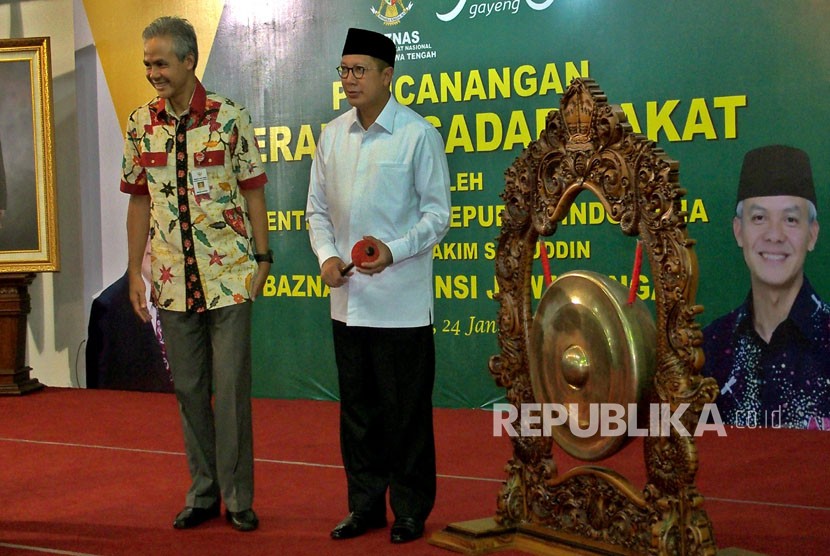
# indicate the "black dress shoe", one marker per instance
pixel 355 524
pixel 191 517
pixel 245 520
pixel 406 529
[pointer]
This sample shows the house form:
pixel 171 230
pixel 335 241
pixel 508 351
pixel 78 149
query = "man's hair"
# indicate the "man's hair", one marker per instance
pixel 812 213
pixel 180 31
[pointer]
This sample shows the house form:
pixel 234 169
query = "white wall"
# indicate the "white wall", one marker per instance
pixel 101 143
pixel 58 319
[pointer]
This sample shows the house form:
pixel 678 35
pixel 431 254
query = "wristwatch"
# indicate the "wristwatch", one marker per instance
pixel 264 257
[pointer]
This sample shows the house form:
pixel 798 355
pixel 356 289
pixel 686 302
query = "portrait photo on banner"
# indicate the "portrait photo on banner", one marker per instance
pixel 28 221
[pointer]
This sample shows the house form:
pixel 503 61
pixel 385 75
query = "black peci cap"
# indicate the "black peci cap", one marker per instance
pixel 776 170
pixel 370 43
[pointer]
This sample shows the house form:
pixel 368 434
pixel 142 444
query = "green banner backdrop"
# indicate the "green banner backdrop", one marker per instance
pixel 707 79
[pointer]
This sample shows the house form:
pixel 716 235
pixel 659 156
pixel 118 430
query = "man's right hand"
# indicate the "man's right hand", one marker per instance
pixel 138 297
pixel 331 271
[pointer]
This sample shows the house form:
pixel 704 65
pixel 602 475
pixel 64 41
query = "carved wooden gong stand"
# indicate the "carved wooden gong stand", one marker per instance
pixel 589 145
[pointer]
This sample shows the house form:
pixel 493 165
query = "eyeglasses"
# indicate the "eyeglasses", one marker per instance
pixel 357 71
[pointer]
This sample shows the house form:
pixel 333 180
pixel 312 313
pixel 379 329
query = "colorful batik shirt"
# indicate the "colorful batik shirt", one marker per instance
pixel 193 168
pixel 783 383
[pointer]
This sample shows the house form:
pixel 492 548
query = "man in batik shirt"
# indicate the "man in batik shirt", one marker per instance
pixel 195 179
pixel 771 355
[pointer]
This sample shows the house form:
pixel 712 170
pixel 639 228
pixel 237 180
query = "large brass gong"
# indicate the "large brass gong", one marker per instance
pixel 584 344
pixel 593 354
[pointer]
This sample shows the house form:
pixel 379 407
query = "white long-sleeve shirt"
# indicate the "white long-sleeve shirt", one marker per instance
pixel 390 181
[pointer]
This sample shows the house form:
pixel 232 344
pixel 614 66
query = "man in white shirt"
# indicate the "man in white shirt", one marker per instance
pixel 380 174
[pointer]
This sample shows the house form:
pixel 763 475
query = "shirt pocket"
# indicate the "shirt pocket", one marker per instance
pixel 392 191
pixel 206 159
pixel 219 175
pixel 155 164
pixel 393 179
pixel 153 160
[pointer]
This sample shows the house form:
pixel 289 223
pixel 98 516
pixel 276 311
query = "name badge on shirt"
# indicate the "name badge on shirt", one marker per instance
pixel 200 181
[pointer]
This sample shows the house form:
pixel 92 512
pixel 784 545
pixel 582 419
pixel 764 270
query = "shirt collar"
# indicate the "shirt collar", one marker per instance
pixel 801 313
pixel 385 120
pixel 197 104
pixel 805 305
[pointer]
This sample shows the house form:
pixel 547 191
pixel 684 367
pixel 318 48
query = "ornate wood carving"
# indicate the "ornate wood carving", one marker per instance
pixel 14 306
pixel 588 145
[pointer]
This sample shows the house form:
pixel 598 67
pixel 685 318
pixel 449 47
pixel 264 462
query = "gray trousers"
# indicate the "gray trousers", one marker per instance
pixel 210 359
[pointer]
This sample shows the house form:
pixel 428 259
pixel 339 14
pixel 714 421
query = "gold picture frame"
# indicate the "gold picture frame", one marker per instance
pixel 28 211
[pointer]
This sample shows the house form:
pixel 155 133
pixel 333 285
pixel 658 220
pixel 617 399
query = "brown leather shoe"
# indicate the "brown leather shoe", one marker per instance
pixel 355 524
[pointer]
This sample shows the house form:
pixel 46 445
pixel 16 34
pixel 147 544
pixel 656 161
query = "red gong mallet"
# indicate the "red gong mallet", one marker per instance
pixel 364 251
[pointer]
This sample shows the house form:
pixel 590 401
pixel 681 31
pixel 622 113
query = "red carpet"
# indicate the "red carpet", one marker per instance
pixel 103 473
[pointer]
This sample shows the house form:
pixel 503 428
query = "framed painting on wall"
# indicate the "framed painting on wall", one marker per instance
pixel 28 219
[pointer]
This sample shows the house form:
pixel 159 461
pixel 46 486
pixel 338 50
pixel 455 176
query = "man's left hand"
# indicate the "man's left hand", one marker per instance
pixel 378 265
pixel 260 276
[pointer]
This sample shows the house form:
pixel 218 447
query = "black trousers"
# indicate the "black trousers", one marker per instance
pixel 386 376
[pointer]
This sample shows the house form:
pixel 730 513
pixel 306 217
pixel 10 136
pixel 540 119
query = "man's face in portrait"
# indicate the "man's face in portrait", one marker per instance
pixel 775 234
pixel 168 75
pixel 370 91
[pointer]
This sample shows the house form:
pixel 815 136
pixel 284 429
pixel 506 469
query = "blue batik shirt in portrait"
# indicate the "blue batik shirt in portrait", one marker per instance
pixel 783 383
